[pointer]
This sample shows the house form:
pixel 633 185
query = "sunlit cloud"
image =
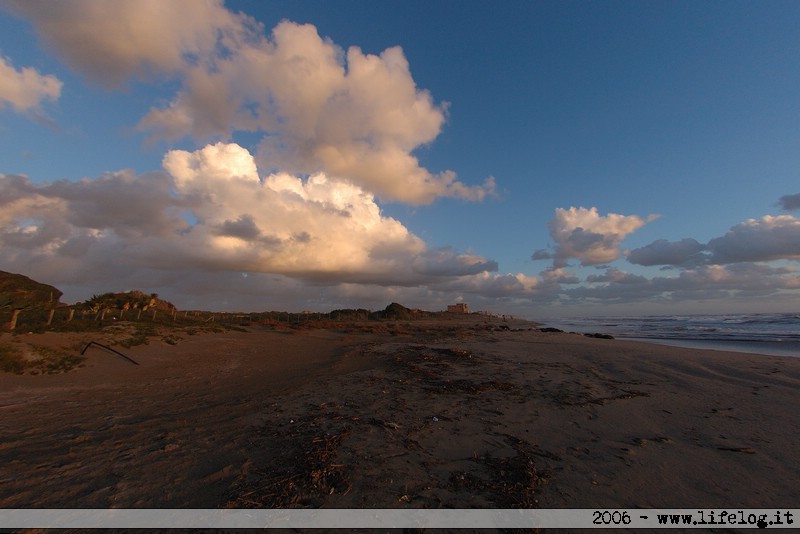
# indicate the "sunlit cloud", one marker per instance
pixel 734 265
pixel 320 109
pixel 108 42
pixel 211 211
pixel 25 89
pixel 585 235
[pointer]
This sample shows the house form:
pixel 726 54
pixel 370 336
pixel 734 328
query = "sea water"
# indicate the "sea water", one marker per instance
pixel 761 333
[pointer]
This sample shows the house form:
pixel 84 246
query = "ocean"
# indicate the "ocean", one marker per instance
pixel 776 334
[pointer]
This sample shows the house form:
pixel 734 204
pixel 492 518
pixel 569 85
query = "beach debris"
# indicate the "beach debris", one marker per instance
pixel 746 450
pixel 453 352
pixel 108 349
pixel 582 399
pixel 507 481
pixel 385 424
pixel 307 472
pixel 435 419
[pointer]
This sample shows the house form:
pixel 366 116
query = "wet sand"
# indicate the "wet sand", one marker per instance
pixel 465 413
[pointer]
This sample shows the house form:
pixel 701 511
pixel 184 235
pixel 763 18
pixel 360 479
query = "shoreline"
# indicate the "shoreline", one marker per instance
pixel 711 332
pixel 762 348
pixel 465 413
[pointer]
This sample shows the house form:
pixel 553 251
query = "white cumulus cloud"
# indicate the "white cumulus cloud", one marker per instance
pixel 351 115
pixel 284 224
pixel 213 212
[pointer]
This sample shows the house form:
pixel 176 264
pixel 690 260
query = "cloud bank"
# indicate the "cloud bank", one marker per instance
pixel 754 240
pixel 211 211
pixel 736 265
pixel 211 228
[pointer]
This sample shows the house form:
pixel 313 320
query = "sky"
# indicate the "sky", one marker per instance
pixel 535 158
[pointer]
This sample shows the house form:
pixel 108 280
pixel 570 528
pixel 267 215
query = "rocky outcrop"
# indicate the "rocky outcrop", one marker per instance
pixel 19 292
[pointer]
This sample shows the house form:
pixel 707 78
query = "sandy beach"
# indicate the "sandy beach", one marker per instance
pixel 470 412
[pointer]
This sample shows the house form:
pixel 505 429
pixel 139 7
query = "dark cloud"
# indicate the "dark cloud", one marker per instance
pixel 663 252
pixel 616 276
pixel 754 240
pixel 769 238
pixel 789 202
pixel 701 283
pixel 541 254
pixel 447 262
pixel 124 202
pixel 244 228
pixel 499 286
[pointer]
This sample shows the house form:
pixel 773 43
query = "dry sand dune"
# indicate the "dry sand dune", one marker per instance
pixel 477 413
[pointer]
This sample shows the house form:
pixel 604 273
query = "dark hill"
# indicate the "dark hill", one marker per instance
pixel 20 292
pixel 394 311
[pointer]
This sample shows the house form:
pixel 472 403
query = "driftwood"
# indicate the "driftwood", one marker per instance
pixel 109 349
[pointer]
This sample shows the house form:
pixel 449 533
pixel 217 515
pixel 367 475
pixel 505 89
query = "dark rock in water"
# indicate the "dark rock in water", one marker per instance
pixel 600 336
pixel 550 329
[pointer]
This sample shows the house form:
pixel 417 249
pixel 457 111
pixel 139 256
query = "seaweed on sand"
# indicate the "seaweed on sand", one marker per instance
pixel 304 469
pixel 508 481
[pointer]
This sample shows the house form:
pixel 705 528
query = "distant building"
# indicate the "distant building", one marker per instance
pixel 461 307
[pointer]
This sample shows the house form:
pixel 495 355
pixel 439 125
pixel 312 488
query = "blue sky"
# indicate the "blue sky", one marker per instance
pixel 534 158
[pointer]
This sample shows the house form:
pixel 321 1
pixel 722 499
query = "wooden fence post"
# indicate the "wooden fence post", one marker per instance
pixel 13 324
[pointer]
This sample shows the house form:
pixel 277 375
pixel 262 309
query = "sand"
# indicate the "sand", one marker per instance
pixel 465 413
